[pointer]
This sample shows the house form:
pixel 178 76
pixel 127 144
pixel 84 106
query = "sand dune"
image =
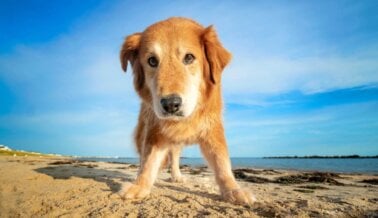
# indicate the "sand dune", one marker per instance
pixel 32 186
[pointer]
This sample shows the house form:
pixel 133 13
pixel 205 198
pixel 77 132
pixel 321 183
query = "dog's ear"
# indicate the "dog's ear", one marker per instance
pixel 217 57
pixel 129 50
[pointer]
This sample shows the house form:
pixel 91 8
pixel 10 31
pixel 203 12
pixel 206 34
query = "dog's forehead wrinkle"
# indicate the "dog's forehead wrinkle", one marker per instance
pixel 181 49
pixel 173 26
pixel 157 48
pixel 171 33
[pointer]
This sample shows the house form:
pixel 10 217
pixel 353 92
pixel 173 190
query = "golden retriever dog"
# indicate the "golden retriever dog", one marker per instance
pixel 177 66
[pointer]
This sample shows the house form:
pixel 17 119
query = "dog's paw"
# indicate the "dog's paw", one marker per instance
pixel 133 191
pixel 239 196
pixel 178 179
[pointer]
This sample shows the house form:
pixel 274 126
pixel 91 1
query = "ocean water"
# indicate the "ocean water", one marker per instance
pixel 342 165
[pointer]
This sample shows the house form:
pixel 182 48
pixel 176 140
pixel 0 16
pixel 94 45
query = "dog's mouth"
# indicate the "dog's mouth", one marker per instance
pixel 177 114
pixel 172 116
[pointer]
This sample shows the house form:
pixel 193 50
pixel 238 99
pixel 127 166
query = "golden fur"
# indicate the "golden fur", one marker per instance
pixel 198 83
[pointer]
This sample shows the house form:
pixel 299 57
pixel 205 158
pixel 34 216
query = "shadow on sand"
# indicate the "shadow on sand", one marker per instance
pixel 87 171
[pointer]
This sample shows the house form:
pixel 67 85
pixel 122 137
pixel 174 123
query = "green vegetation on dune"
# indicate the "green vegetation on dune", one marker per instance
pixel 21 153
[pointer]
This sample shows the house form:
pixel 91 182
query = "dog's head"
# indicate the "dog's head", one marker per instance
pixel 174 62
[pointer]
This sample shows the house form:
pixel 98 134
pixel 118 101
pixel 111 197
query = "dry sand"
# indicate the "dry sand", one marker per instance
pixel 51 187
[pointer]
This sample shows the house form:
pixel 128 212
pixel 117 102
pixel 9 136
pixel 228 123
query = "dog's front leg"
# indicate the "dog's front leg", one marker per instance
pixel 214 149
pixel 152 159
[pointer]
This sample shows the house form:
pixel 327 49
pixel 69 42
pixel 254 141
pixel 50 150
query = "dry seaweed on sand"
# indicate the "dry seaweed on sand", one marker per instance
pixel 304 190
pixel 132 166
pixel 313 187
pixel 196 171
pixel 63 162
pixel 247 170
pixel 75 163
pixel 240 174
pixel 89 165
pixel 253 171
pixel 315 177
pixel 370 181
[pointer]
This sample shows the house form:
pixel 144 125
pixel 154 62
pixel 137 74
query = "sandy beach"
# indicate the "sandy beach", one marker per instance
pixel 52 187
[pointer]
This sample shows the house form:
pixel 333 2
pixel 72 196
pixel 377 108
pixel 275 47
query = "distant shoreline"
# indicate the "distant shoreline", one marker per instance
pixel 322 157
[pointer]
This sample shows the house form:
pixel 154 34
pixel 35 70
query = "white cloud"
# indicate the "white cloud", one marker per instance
pixel 309 75
pixel 337 127
pixel 292 120
pixel 89 132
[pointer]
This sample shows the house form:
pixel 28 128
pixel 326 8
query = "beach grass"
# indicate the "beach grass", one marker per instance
pixel 23 153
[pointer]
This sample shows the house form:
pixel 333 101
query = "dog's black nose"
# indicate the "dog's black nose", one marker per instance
pixel 171 104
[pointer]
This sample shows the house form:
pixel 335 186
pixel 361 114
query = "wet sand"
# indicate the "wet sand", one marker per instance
pixel 51 187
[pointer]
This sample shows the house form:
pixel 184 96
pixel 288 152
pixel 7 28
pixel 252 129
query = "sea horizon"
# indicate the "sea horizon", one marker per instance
pixel 337 165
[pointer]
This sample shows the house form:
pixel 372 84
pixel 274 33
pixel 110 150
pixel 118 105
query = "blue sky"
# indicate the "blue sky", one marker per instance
pixel 303 79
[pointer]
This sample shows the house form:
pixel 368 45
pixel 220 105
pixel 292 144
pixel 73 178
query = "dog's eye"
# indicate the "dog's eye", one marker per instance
pixel 189 58
pixel 153 61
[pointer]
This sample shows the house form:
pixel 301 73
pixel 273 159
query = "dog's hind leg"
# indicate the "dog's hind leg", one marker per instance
pixel 174 154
